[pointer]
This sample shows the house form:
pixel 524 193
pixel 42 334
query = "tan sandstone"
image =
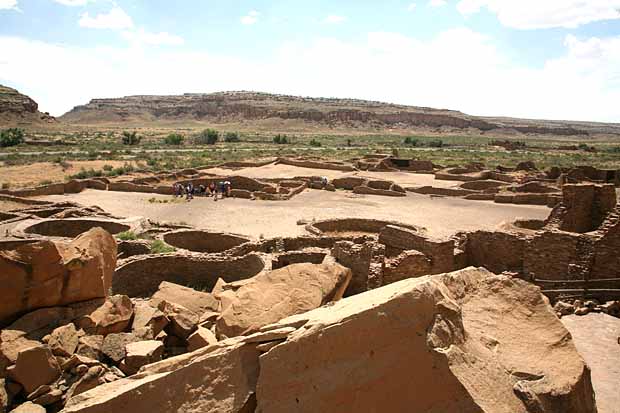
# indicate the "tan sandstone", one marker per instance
pixel 271 296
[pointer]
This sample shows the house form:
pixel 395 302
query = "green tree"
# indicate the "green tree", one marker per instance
pixel 174 139
pixel 11 137
pixel 232 137
pixel 207 137
pixel 131 138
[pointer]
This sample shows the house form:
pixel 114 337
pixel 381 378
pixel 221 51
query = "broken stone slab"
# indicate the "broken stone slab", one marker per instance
pixel 271 296
pixel 90 346
pixel 202 337
pixel 49 274
pixel 222 380
pixel 113 316
pixel 140 354
pixel 64 341
pixel 195 301
pixel 147 316
pixel 11 343
pixel 51 397
pixel 447 343
pixel 183 321
pixel 114 345
pixel 29 407
pixel 34 367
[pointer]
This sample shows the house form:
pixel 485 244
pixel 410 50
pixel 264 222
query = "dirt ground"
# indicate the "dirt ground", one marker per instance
pixel 596 338
pixel 441 216
pixel 32 175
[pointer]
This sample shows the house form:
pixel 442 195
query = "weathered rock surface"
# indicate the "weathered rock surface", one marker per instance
pixel 29 407
pixel 64 341
pixel 271 296
pixel 597 339
pixel 16 108
pixel 196 301
pixel 114 345
pixel 142 353
pixel 468 341
pixel 35 367
pixel 47 274
pixel 183 322
pixel 202 337
pixel 113 316
pixel 460 342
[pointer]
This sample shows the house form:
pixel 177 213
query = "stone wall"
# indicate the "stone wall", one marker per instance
pixel 496 251
pixel 586 206
pixel 140 276
pixel 203 241
pixel 365 260
pixel 71 228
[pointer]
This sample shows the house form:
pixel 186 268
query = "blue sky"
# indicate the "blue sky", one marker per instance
pixel 555 59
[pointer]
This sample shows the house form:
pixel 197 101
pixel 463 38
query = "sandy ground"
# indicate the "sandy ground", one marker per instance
pixel 596 338
pixel 31 175
pixel 287 171
pixel 441 216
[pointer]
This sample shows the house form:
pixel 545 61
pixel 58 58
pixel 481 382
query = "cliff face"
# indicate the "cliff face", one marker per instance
pixel 16 108
pixel 247 106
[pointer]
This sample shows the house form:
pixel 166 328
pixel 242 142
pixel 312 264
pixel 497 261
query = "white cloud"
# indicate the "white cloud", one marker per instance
pixel 73 3
pixel 411 7
pixel 334 19
pixel 9 5
pixel 539 14
pixel 142 37
pixel 437 3
pixel 115 19
pixel 458 69
pixel 250 18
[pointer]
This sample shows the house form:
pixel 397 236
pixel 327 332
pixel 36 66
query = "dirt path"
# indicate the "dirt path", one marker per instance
pixel 596 338
pixel 441 216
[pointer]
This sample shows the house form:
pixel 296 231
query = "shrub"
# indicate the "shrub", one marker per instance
pixel 174 139
pixel 45 182
pixel 87 173
pixel 411 141
pixel 315 143
pixel 11 137
pixel 107 168
pixel 349 142
pixel 127 236
pixel 436 144
pixel 280 139
pixel 207 137
pixel 131 138
pixel 160 247
pixel 232 137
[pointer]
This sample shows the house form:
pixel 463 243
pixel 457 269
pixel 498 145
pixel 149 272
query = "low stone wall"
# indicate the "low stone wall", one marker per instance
pixel 140 276
pixel 303 163
pixel 349 182
pixel 430 190
pixel 496 251
pixel 366 263
pixel 203 241
pixel 310 255
pixel 371 191
pixel 373 226
pixel 71 228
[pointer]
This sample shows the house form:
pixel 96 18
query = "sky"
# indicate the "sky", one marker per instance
pixel 545 59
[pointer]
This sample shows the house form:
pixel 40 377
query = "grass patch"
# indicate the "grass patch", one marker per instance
pixel 127 236
pixel 160 247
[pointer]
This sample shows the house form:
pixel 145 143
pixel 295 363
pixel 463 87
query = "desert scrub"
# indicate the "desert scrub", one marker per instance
pixel 127 236
pixel 11 137
pixel 207 137
pixel 160 247
pixel 131 138
pixel 174 139
pixel 232 137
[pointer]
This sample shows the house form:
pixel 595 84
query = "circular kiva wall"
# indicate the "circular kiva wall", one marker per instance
pixel 141 276
pixel 203 241
pixel 353 225
pixel 71 228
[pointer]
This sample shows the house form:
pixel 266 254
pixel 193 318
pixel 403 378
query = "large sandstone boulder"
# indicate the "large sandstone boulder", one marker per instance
pixel 113 316
pixel 271 296
pixel 35 367
pixel 195 301
pixel 468 341
pixel 47 274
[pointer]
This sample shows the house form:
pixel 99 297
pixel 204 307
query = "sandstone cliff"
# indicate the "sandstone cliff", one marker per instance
pixel 225 107
pixel 16 108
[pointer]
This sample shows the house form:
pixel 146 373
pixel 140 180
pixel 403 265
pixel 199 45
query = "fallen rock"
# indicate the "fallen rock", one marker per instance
pixel 114 345
pixel 95 376
pixel 222 380
pixel 11 343
pixel 271 296
pixel 90 346
pixel 113 316
pixel 64 341
pixel 48 274
pixel 29 407
pixel 448 343
pixel 183 322
pixel 146 316
pixel 51 397
pixel 195 301
pixel 35 367
pixel 200 338
pixel 4 397
pixel 142 353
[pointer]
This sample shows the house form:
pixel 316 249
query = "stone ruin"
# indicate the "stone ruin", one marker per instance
pixel 358 315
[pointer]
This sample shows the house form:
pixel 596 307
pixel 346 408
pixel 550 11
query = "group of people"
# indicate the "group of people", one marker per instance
pixel 217 190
